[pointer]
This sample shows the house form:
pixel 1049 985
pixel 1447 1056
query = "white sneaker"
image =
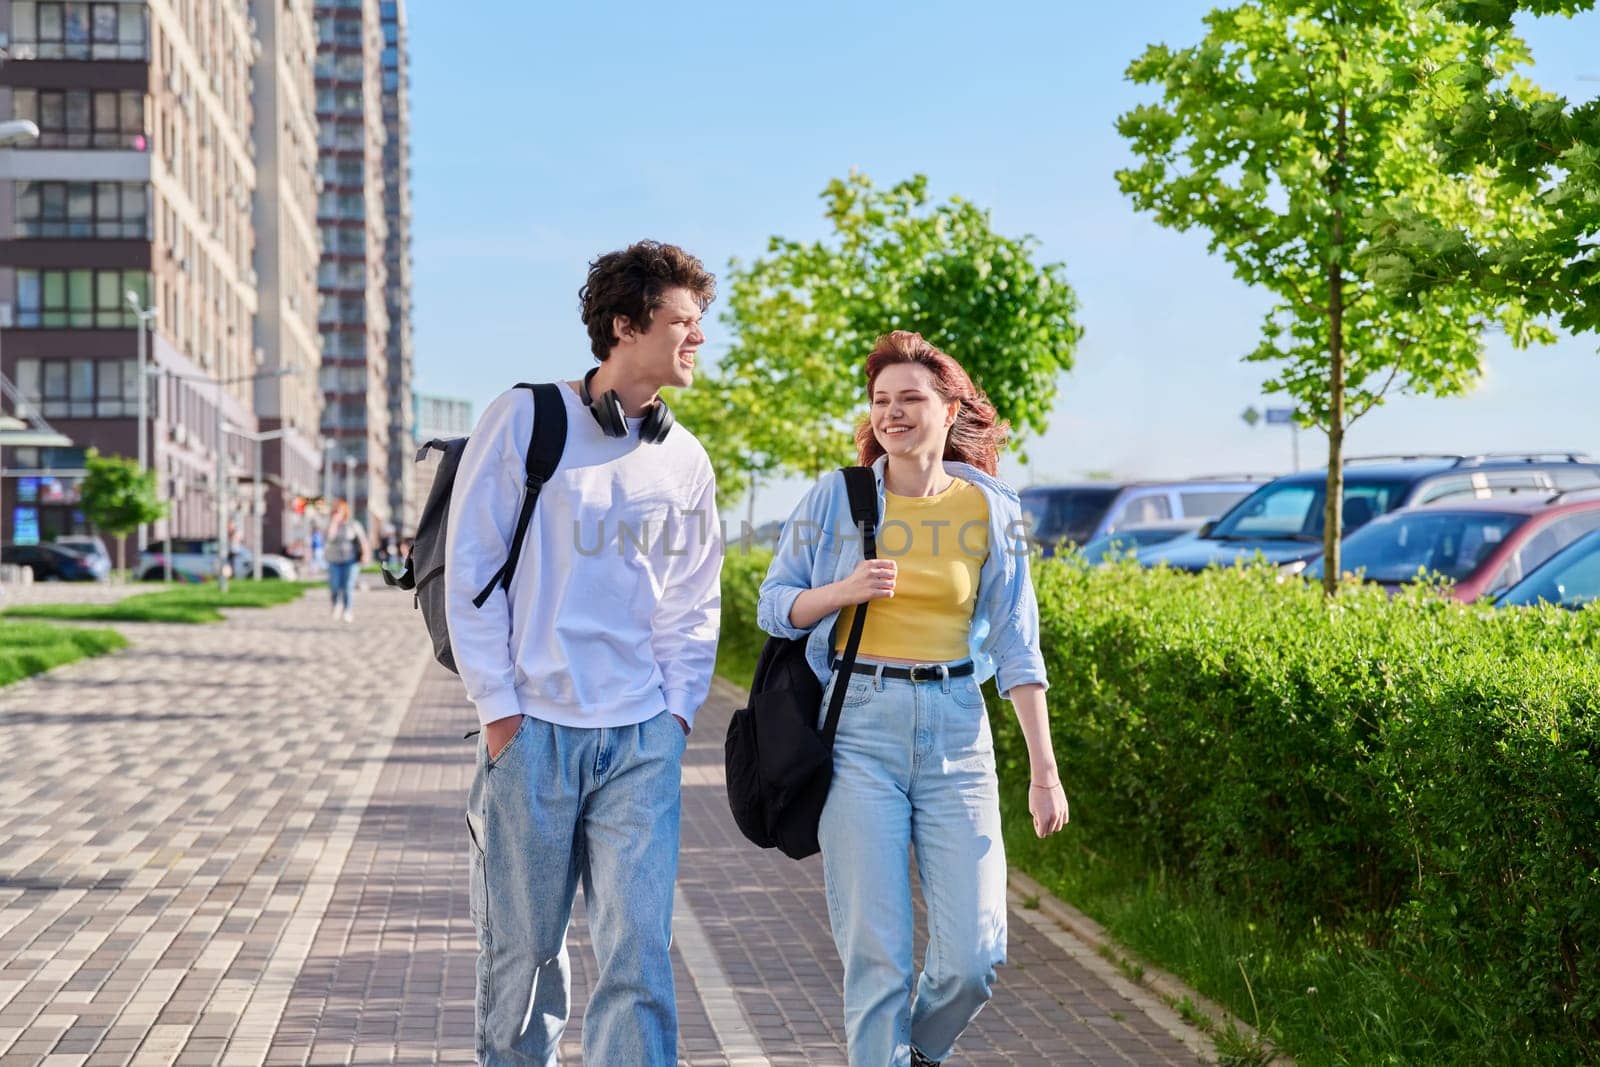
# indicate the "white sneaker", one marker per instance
pixel 334 614
pixel 349 615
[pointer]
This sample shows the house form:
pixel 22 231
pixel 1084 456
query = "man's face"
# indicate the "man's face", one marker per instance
pixel 664 355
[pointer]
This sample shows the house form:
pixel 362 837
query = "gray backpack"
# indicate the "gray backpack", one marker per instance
pixel 425 563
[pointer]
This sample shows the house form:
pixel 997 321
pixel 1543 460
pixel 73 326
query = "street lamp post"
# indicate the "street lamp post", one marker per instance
pixel 145 316
pixel 222 459
pixel 327 469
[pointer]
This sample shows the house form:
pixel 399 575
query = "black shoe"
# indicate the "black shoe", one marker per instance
pixel 919 1060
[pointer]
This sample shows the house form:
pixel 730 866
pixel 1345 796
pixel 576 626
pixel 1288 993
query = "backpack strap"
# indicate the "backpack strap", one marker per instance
pixel 862 485
pixel 544 455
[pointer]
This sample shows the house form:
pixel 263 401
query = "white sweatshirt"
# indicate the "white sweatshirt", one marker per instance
pixel 613 612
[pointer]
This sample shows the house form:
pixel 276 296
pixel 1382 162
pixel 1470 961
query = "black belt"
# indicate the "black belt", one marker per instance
pixel 921 672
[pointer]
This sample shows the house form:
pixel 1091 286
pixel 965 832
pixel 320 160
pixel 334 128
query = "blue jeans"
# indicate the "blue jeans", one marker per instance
pixel 913 764
pixel 342 582
pixel 558 805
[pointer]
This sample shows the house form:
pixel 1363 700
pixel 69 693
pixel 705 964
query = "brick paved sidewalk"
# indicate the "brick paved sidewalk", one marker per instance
pixel 243 844
pixel 757 975
pixel 172 819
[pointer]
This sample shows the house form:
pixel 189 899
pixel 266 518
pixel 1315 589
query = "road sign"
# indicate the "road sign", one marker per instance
pixel 1280 416
pixel 1250 416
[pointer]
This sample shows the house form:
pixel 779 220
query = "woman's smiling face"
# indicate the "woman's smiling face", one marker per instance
pixel 909 418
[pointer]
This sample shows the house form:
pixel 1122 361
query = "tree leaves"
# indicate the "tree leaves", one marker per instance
pixel 117 496
pixel 1303 138
pixel 1522 143
pixel 787 395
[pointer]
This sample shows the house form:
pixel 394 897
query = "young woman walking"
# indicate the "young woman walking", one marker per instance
pixel 952 605
pixel 346 550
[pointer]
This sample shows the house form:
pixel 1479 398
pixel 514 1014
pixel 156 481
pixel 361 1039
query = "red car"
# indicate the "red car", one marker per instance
pixel 1483 546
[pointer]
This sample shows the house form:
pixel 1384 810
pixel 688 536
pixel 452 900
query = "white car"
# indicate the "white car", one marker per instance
pixel 194 559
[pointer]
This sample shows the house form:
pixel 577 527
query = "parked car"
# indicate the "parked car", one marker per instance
pixel 50 563
pixel 1127 540
pixel 1483 546
pixel 1568 579
pixel 91 548
pixel 194 559
pixel 1283 519
pixel 1057 514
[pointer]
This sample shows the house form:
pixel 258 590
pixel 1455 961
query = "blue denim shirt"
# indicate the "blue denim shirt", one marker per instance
pixel 819 544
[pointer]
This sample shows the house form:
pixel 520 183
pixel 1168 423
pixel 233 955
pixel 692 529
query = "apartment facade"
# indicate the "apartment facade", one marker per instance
pixel 435 418
pixel 442 417
pixel 288 398
pixel 352 277
pixel 394 64
pixel 138 192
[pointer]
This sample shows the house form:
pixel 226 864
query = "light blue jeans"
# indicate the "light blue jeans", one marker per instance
pixel 558 805
pixel 913 764
pixel 342 582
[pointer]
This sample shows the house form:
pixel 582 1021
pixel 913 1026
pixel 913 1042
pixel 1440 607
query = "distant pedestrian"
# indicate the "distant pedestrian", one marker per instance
pixel 319 542
pixel 586 674
pixel 913 760
pixel 347 548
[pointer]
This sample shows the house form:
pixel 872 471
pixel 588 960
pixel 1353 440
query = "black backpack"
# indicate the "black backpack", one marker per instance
pixel 778 764
pixel 424 567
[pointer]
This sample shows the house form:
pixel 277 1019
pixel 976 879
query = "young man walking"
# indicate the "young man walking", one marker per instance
pixel 586 673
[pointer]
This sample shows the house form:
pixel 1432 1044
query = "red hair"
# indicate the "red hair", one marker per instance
pixel 978 432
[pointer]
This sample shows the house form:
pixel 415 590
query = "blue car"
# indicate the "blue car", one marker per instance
pixel 1568 579
pixel 1128 540
pixel 1079 513
pixel 1283 520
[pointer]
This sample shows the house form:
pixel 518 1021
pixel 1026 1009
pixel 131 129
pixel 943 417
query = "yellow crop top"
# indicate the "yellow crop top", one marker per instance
pixel 938 544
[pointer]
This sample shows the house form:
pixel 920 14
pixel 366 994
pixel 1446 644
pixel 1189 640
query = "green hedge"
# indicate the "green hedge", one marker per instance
pixel 1422 776
pixel 741 639
pixel 1395 800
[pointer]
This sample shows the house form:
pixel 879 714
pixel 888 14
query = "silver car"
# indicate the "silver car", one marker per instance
pixel 194 559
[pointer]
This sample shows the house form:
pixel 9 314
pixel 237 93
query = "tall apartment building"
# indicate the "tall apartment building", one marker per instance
pixel 435 417
pixel 141 181
pixel 352 277
pixel 442 417
pixel 397 263
pixel 288 253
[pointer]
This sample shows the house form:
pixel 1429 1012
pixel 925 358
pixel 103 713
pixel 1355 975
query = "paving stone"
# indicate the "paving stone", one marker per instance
pixel 243 844
pixel 185 772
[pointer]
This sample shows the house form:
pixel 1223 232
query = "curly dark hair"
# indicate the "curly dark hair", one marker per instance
pixel 631 283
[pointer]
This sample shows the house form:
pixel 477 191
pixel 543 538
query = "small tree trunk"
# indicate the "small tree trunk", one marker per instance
pixel 1333 519
pixel 122 556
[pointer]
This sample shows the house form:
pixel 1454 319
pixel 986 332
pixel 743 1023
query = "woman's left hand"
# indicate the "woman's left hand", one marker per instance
pixel 1048 805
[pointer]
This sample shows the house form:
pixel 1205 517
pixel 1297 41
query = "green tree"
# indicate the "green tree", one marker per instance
pixel 1280 134
pixel 1537 145
pixel 787 395
pixel 118 497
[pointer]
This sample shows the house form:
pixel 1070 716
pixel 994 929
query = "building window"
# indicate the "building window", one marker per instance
pixel 79 299
pixel 80 118
pixel 83 209
pixel 45 30
pixel 80 388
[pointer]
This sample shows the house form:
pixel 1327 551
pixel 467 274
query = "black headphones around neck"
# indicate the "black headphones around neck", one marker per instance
pixel 607 411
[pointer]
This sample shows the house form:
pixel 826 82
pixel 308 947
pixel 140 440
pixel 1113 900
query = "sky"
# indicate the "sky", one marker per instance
pixel 544 134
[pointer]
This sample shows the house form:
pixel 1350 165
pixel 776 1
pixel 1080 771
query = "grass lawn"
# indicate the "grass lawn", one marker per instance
pixel 30 647
pixel 189 604
pixel 1326 998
